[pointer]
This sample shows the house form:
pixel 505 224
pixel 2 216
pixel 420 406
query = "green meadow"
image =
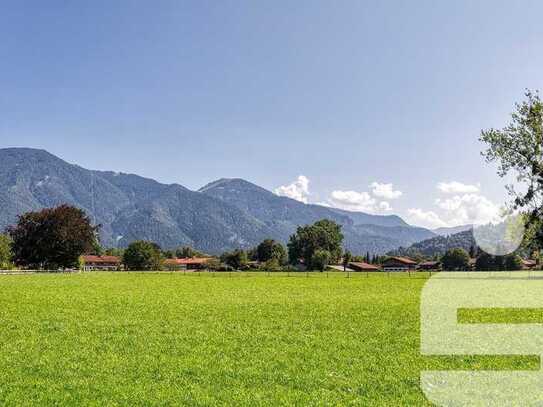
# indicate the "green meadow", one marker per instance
pixel 239 339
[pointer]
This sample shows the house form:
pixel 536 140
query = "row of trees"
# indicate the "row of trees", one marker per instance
pixel 459 260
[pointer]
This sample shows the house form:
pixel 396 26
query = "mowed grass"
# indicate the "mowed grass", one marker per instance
pixel 250 339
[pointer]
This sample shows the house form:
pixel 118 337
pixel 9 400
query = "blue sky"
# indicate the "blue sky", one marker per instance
pixel 350 95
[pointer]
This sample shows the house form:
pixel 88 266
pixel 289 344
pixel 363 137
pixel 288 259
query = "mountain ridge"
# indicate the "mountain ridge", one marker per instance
pixel 224 214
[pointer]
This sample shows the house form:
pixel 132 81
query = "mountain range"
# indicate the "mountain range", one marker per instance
pixel 447 231
pixel 223 215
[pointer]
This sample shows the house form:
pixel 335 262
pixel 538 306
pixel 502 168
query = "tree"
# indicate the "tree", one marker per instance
pixel 321 259
pixel 52 238
pixel 322 235
pixel 236 259
pixel 347 257
pixel 143 255
pixel 187 252
pixel 513 262
pixel 113 251
pixel 518 148
pixel 455 260
pixel 485 262
pixel 270 249
pixel 272 265
pixel 168 254
pixel 5 252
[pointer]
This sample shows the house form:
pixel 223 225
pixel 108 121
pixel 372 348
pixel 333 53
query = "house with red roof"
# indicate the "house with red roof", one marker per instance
pixel 362 266
pixel 397 263
pixel 529 264
pixel 102 263
pixel 188 263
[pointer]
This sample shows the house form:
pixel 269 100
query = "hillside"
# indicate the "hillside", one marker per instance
pixel 377 235
pixel 127 207
pixel 223 215
pixel 447 231
pixel 438 245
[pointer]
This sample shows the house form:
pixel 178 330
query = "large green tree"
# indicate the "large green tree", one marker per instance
pixel 52 238
pixel 518 149
pixel 143 255
pixel 322 235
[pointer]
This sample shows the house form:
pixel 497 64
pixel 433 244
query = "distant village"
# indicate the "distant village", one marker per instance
pixel 389 264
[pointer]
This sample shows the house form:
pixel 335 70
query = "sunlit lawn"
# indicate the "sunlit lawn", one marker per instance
pixel 235 339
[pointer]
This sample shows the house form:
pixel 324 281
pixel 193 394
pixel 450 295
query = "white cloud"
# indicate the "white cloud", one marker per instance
pixel 357 202
pixel 426 219
pixel 455 187
pixel 384 206
pixel 353 201
pixel 469 209
pixel 298 190
pixel 385 191
pixel 466 209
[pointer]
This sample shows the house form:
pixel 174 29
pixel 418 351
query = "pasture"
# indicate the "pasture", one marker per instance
pixel 216 339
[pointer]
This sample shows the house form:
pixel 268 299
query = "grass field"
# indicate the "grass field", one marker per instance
pixel 250 339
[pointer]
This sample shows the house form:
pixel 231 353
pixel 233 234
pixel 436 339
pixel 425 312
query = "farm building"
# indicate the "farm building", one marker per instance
pixel 361 266
pixel 529 264
pixel 430 265
pixel 189 263
pixel 399 264
pixel 106 263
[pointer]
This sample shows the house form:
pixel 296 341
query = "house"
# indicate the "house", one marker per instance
pixel 529 264
pixel 105 263
pixel 399 264
pixel 188 263
pixel 361 266
pixel 430 265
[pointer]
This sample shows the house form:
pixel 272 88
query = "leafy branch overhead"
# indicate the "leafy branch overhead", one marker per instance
pixel 518 149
